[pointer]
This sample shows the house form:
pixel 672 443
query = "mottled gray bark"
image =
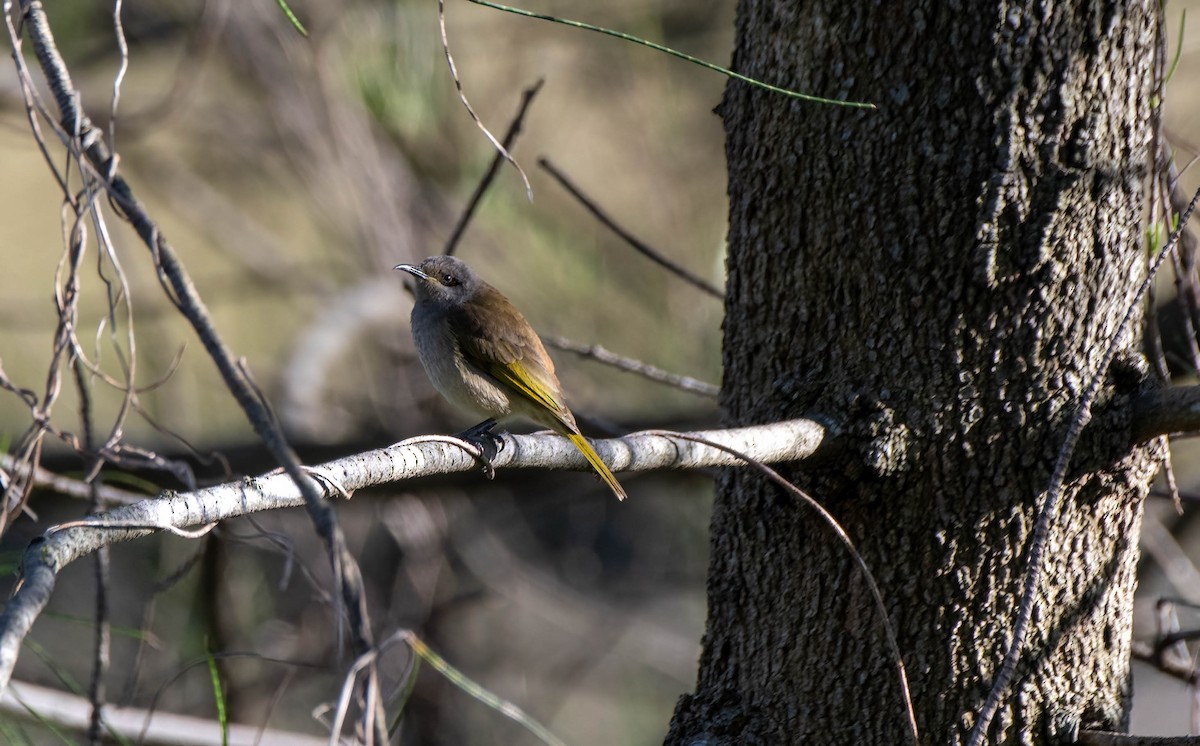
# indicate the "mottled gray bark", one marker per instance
pixel 939 278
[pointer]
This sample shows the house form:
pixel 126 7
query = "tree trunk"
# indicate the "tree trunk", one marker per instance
pixel 938 279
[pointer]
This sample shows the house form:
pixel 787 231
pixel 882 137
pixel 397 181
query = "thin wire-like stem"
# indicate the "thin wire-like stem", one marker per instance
pixel 489 176
pixel 291 16
pixel 456 677
pixel 462 96
pixel 844 538
pixel 675 53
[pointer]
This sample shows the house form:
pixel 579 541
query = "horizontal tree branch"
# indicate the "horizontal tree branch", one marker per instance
pixel 43 705
pixel 1104 738
pixel 49 480
pixel 1148 653
pixel 417 457
pixel 620 362
pixel 1166 411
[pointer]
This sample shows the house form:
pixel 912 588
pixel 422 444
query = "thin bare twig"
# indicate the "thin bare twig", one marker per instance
pixel 147 639
pixel 1049 509
pixel 629 365
pixel 83 139
pixel 46 479
pixel 127 526
pixel 510 137
pixel 451 674
pixel 152 710
pixel 462 96
pixel 642 247
pixel 101 656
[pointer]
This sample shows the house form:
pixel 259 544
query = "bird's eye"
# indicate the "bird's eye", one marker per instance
pixel 450 280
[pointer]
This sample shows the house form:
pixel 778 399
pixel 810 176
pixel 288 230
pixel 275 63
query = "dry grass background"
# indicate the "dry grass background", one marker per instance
pixel 291 174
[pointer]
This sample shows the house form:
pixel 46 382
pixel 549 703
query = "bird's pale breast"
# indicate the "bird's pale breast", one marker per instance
pixel 455 379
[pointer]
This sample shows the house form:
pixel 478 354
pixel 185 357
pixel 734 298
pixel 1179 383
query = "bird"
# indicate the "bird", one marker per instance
pixel 483 356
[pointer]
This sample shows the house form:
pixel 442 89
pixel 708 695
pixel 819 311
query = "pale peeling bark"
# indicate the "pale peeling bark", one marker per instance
pixel 940 277
pixel 417 457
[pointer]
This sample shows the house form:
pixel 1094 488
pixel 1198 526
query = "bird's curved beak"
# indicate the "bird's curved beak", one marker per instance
pixel 412 270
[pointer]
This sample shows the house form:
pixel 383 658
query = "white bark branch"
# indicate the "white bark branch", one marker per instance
pixel 40 704
pixel 46 556
pixel 11 467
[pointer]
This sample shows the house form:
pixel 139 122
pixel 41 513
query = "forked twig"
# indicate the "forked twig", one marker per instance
pixel 510 137
pixel 462 96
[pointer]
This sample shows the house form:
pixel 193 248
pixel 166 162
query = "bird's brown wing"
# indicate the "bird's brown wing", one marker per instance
pixel 510 352
pixel 513 355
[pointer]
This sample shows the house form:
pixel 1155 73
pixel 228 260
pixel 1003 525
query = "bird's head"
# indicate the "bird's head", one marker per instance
pixel 443 280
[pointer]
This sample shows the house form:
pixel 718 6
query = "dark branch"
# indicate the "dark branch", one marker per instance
pixel 1166 411
pixel 628 237
pixel 510 137
pixel 620 362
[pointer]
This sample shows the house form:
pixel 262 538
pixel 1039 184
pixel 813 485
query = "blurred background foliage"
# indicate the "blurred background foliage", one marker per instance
pixel 291 174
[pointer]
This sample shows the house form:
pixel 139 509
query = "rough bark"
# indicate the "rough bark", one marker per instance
pixel 939 279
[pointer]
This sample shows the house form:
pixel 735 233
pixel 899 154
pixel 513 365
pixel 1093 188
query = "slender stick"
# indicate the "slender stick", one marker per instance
pixel 620 362
pixel 1049 509
pixel 674 53
pixel 510 137
pixel 628 237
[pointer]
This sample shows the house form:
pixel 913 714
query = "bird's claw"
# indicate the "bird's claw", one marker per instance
pixel 488 443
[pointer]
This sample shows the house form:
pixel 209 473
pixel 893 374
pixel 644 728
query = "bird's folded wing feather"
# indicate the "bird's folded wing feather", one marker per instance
pixel 512 353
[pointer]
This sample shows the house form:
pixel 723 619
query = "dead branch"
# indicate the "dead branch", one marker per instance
pixel 782 441
pixel 38 704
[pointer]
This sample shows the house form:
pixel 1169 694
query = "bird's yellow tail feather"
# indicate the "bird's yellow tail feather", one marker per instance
pixel 594 459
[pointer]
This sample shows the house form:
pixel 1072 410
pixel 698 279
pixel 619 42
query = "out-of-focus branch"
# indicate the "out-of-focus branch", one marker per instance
pixel 1105 738
pixel 642 247
pixel 322 348
pixel 599 354
pixel 40 704
pixel 1166 411
pixel 792 440
pixel 81 136
pixel 1149 654
pixel 489 176
pixel 46 479
pixel 1158 543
